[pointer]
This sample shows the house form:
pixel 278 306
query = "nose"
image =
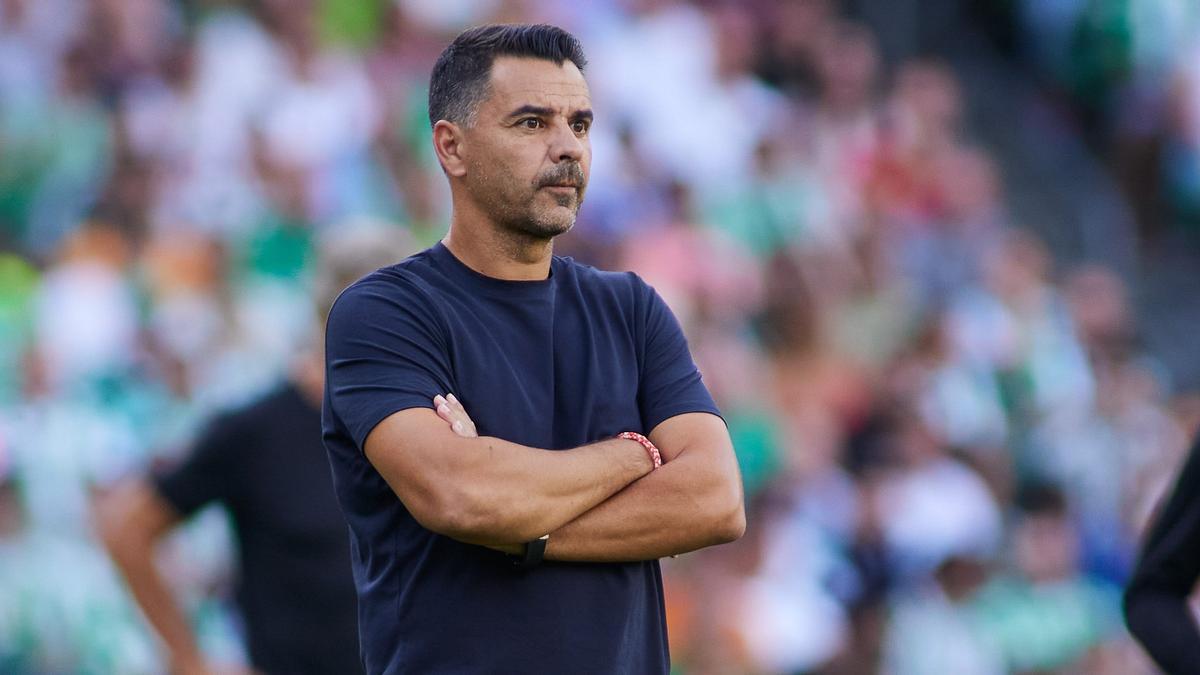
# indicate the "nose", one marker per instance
pixel 565 145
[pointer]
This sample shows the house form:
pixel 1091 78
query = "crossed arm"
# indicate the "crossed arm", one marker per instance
pixel 599 503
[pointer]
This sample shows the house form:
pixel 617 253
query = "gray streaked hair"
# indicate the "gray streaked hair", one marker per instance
pixel 351 251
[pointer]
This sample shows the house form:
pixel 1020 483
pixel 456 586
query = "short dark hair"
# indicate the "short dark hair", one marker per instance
pixel 460 76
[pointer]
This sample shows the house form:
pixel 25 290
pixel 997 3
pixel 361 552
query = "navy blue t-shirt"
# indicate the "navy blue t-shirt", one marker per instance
pixel 559 363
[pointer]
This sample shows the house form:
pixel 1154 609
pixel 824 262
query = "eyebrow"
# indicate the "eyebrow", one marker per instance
pixel 541 111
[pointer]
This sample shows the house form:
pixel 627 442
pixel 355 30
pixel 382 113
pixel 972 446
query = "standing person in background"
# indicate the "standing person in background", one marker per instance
pixel 265 463
pixel 579 385
pixel 1156 600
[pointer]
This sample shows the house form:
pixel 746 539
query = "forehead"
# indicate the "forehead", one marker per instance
pixel 525 81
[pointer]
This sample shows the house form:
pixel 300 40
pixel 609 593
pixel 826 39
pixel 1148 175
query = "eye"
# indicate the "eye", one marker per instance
pixel 580 126
pixel 530 123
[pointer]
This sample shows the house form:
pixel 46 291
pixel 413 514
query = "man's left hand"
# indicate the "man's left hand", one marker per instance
pixel 452 411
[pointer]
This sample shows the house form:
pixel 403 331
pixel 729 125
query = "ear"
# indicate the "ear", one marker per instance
pixel 448 144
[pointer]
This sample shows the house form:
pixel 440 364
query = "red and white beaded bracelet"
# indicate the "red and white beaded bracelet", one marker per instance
pixel 651 449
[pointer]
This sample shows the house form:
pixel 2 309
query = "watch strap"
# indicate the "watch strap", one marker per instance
pixel 535 551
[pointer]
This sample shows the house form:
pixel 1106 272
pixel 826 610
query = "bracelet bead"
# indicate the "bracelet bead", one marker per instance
pixel 651 449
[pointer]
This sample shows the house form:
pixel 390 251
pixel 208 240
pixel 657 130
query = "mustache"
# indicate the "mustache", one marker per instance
pixel 567 173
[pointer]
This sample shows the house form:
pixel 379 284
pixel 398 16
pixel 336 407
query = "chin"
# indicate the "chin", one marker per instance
pixel 549 229
pixel 545 225
pixel 540 228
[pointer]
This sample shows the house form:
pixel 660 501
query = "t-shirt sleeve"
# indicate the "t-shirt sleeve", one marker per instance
pixel 1156 599
pixel 670 384
pixel 209 471
pixel 385 351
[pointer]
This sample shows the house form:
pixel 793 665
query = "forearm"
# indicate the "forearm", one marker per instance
pixel 521 500
pixel 681 507
pixel 163 612
pixel 135 561
pixel 489 491
pixel 130 520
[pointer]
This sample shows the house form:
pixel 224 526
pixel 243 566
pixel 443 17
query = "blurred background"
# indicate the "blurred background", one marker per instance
pixel 938 261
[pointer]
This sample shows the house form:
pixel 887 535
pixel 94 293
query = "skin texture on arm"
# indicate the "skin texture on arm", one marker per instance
pixel 694 500
pixel 130 520
pixel 484 490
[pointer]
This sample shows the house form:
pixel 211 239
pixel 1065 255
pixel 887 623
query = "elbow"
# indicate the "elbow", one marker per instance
pixel 734 524
pixel 730 518
pixel 1138 609
pixel 1150 604
pixel 1129 600
pixel 124 542
pixel 448 512
pixel 475 518
pixel 114 541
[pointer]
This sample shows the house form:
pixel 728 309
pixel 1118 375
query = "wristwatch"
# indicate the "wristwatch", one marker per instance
pixel 534 551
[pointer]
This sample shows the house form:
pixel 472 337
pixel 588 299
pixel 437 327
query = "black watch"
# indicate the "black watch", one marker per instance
pixel 534 551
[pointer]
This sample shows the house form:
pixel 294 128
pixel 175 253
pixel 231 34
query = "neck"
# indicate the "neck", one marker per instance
pixel 484 247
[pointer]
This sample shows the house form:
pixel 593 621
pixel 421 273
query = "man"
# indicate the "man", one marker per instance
pixel 553 360
pixel 1157 606
pixel 265 463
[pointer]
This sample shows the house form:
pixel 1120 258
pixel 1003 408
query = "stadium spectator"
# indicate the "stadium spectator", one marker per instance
pixel 266 464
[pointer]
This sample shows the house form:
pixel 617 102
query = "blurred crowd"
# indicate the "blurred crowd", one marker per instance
pixel 1130 71
pixel 950 443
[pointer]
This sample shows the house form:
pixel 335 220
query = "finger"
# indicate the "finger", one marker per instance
pixel 438 401
pixel 455 404
pixel 458 421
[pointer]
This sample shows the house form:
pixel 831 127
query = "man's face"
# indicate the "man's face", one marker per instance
pixel 528 153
